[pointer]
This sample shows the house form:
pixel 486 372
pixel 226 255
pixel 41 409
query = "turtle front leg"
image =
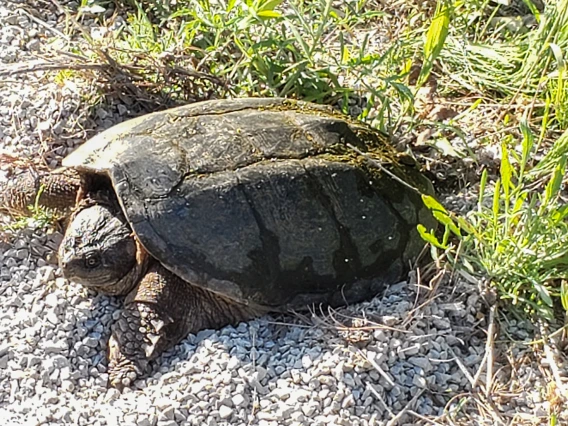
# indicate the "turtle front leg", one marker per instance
pixel 158 313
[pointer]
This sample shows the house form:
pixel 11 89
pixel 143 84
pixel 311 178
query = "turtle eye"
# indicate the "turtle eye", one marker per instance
pixel 92 261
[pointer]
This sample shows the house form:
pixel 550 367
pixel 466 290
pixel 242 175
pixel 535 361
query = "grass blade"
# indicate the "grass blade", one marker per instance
pixel 435 39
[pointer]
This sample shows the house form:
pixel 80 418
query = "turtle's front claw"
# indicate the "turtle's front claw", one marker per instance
pixel 123 369
pixel 127 349
pixel 138 335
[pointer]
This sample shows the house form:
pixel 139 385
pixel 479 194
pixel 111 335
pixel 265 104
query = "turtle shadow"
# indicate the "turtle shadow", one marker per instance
pixel 256 342
pixel 276 357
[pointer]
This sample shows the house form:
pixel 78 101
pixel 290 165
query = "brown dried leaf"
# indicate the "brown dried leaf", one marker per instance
pixel 424 136
pixel 441 113
pixel 424 100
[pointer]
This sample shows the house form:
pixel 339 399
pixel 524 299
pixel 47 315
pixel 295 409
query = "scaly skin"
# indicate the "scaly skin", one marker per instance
pixel 100 252
pixel 99 249
pixel 160 312
pixel 55 191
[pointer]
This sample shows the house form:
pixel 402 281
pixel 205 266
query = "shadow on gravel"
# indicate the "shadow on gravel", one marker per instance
pixel 383 353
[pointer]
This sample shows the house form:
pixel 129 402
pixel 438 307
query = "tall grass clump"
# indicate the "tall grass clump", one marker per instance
pixel 508 57
pixel 321 51
pixel 517 237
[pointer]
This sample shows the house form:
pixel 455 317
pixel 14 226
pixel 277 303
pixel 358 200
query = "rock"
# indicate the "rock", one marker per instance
pixel 58 346
pixel 143 421
pixel 421 362
pixel 239 400
pixel 225 412
pixel 309 409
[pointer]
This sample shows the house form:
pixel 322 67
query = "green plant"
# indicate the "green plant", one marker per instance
pixel 518 236
pixel 318 51
pixel 492 60
pixel 435 38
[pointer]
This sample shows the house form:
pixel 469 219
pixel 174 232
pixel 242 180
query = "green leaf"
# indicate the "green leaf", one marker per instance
pixel 37 206
pixel 429 237
pixel 496 199
pixel 519 202
pixel 555 182
pixel 559 214
pixel 440 213
pixel 534 10
pixel 269 5
pixel 482 185
pixel 543 293
pixel 435 39
pixel 230 5
pixel 506 173
pixel 564 293
pixel 474 105
pixel 465 225
pixel 527 146
pixel 447 234
pixel 269 14
pixel 433 204
pixel 300 39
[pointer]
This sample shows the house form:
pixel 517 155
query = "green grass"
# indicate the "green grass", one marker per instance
pixel 517 238
pixel 319 51
pixel 518 235
pixel 492 60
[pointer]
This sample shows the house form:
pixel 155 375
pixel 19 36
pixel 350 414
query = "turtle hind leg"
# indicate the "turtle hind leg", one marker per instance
pixel 55 191
pixel 158 313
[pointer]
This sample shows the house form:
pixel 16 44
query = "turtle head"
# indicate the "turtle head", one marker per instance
pixel 100 252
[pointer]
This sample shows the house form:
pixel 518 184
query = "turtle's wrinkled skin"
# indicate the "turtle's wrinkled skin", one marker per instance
pixel 56 190
pixel 212 213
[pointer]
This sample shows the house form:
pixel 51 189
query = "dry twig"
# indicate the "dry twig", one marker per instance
pixel 396 418
pixel 489 347
pixel 377 367
pixel 463 368
pixel 552 364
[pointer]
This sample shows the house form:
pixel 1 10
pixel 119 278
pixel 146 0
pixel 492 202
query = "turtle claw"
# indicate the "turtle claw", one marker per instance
pixel 137 337
pixel 160 312
pixel 123 370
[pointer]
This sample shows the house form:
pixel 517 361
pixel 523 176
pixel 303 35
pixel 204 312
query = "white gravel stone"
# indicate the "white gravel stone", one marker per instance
pixel 238 400
pixel 225 412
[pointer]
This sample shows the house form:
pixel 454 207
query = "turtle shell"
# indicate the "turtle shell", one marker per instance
pixel 263 200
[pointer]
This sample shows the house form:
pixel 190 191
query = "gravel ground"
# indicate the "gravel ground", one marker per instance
pixel 398 359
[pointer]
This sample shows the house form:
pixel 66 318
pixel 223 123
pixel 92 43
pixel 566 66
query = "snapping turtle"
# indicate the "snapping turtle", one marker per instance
pixel 215 212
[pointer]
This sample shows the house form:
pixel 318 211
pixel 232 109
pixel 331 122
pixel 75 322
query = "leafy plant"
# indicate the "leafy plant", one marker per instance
pixel 321 51
pixel 435 38
pixel 490 59
pixel 518 235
